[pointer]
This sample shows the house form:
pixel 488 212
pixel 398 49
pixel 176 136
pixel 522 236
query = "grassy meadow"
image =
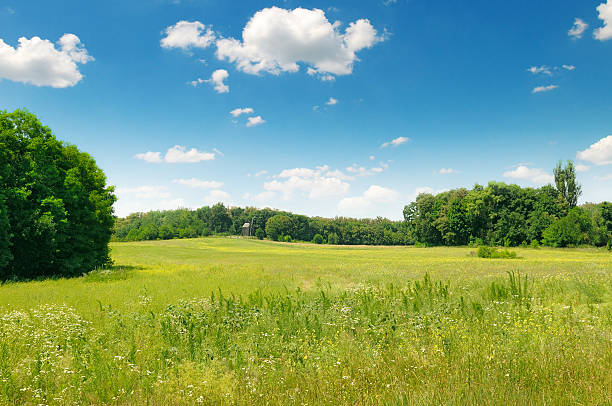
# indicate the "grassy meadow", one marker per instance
pixel 234 321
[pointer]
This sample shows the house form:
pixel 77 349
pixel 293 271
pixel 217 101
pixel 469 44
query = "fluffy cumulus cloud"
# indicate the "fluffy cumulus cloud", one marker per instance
pixel 186 35
pixel 331 101
pixel 255 121
pixel 375 195
pixel 605 14
pixel 239 111
pixel 217 196
pixel 199 184
pixel 311 183
pixel 217 80
pixel 578 28
pixel 176 154
pixel 277 40
pixel 544 89
pixel 145 198
pixel 599 153
pixel 533 175
pixel 40 62
pixel 396 142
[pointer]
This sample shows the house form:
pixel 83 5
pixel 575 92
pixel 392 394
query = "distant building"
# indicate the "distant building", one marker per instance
pixel 247 230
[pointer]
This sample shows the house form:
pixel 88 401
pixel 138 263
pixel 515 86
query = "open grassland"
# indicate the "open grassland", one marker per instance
pixel 230 321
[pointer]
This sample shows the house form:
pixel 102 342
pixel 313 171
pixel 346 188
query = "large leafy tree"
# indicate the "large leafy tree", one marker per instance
pixel 56 211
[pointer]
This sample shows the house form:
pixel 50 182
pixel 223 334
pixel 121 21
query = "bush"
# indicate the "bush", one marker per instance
pixel 490 252
pixel 287 238
pixel 260 234
pixel 332 238
pixel 535 244
pixel 318 239
pixel 56 211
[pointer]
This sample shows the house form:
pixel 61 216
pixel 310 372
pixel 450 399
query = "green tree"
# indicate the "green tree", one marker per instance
pixel 565 180
pixel 279 226
pixel 56 202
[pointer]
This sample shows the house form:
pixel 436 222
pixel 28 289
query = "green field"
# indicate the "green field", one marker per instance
pixel 232 321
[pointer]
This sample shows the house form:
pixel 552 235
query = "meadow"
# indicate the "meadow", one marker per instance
pixel 234 321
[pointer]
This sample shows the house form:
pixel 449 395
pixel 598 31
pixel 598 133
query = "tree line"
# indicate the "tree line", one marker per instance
pixel 509 215
pixel 496 214
pixel 266 223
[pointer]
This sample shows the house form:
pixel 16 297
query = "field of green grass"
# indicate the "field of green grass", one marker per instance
pixel 233 321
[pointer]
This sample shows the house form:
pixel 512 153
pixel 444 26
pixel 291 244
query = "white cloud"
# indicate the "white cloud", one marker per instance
pixel 396 142
pixel 239 111
pixel 145 198
pixel 217 79
pixel 361 171
pixel 534 175
pixel 448 171
pixel 276 40
pixel 569 67
pixel 540 69
pixel 541 89
pixel 186 35
pixel 253 121
pixel 199 184
pixel 37 61
pixel 582 168
pixel 177 154
pixel 217 196
pixel 312 183
pixel 372 157
pixel 151 157
pixel 605 14
pixel 373 196
pixel 578 28
pixel 599 153
pixel 261 173
pixel 196 82
pixel 144 192
pixel 331 101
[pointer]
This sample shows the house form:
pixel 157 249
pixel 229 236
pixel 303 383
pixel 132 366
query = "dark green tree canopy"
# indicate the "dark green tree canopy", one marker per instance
pixel 56 211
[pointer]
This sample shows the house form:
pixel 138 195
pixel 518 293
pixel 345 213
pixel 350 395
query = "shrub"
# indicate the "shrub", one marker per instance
pixel 535 244
pixel 490 252
pixel 56 211
pixel 287 238
pixel 318 239
pixel 260 234
pixel 332 239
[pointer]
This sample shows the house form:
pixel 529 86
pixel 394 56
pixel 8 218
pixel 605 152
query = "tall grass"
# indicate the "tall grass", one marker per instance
pixel 508 338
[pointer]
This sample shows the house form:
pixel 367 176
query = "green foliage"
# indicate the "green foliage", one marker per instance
pixel 332 239
pixel 565 180
pixel 260 234
pixel 278 226
pixel 185 223
pixel 56 212
pixel 571 230
pixel 491 252
pixel 318 239
pixel 287 238
pixel 501 214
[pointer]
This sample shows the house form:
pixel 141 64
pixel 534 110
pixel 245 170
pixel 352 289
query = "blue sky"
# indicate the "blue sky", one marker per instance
pixel 354 106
